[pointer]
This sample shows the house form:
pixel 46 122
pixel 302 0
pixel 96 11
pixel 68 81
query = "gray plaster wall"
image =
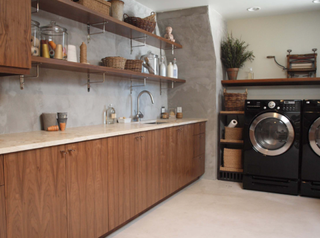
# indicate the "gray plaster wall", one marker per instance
pixel 197 64
pixel 57 90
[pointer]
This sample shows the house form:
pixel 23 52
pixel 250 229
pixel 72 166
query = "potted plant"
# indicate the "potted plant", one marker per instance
pixel 234 54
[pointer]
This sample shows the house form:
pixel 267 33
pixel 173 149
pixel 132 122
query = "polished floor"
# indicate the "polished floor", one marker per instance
pixel 217 209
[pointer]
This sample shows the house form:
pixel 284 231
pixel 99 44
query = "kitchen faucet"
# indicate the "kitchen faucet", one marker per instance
pixel 139 114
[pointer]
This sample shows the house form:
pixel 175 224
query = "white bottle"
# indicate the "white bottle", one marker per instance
pixel 250 74
pixel 170 70
pixel 163 68
pixel 175 68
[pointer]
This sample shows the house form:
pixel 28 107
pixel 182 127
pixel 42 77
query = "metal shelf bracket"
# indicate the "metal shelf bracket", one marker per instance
pixel 137 38
pixel 161 88
pixel 89 81
pixel 141 85
pixel 96 33
pixel 37 7
pixel 22 77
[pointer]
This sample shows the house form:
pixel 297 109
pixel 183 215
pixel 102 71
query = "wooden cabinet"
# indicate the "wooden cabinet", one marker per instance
pixel 15 31
pixel 1 171
pixel 35 192
pixel 87 188
pixel 3 224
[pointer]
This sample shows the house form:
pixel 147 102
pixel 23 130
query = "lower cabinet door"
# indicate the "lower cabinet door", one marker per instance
pixel 36 204
pixel 199 164
pixel 87 189
pixel 3 223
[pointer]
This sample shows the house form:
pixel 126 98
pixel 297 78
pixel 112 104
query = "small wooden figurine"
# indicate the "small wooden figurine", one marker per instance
pixel 169 35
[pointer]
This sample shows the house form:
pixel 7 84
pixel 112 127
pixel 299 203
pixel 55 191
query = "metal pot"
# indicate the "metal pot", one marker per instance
pixel 150 63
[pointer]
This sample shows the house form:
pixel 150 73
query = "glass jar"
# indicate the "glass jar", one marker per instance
pixel 35 38
pixel 54 41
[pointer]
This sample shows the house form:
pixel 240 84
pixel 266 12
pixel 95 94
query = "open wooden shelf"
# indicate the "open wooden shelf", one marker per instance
pixel 231 169
pixel 79 13
pixel 232 112
pixel 271 82
pixel 224 141
pixel 88 68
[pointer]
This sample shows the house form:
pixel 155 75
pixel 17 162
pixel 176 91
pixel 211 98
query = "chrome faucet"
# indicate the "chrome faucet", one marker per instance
pixel 139 114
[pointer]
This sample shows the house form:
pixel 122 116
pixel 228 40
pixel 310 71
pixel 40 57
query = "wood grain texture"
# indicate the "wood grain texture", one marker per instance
pixel 87 189
pixel 35 191
pixel 164 163
pixel 187 158
pixel 3 223
pixel 1 171
pixel 142 176
pixel 15 32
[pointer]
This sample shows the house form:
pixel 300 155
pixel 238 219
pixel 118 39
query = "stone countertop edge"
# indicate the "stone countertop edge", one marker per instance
pixel 10 143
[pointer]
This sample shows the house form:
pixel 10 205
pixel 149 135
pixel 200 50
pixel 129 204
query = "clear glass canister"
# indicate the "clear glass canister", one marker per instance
pixel 35 38
pixel 54 41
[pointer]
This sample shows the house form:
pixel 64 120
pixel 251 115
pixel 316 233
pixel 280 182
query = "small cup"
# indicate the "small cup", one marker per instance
pixel 62 115
pixel 62 123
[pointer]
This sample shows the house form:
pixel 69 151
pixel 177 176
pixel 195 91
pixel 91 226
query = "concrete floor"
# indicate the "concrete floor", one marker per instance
pixel 223 209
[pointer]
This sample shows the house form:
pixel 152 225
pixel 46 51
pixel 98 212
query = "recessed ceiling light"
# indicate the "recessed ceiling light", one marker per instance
pixel 253 9
pixel 316 1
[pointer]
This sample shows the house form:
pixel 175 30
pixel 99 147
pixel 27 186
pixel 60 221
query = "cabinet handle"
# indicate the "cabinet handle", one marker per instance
pixel 63 152
pixel 71 150
pixel 137 138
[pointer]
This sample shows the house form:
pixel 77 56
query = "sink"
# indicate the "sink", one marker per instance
pixel 156 122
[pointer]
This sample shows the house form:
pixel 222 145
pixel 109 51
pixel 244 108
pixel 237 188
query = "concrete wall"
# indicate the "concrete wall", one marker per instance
pixel 197 64
pixel 57 90
pixel 273 36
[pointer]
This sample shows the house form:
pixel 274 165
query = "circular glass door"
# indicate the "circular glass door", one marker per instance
pixel 314 136
pixel 271 134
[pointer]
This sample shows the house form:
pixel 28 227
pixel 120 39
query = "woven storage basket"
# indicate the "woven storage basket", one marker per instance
pixel 100 6
pixel 141 23
pixel 232 158
pixel 151 18
pixel 134 65
pixel 234 101
pixel 233 133
pixel 114 62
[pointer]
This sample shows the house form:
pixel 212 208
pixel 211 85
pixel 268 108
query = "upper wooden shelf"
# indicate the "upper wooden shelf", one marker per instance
pixel 79 13
pixel 271 82
pixel 231 112
pixel 88 68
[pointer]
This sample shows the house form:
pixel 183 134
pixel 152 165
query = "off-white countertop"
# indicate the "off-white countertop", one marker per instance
pixel 39 139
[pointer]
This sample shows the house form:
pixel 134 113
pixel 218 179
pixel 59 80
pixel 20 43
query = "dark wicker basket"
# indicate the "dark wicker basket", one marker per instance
pixel 143 24
pixel 134 65
pixel 234 101
pixel 114 62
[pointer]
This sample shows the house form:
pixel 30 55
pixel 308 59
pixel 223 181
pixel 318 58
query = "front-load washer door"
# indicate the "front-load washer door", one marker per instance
pixel 271 134
pixel 314 136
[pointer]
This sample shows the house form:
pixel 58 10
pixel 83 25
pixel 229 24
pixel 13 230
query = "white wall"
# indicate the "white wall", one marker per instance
pixel 273 36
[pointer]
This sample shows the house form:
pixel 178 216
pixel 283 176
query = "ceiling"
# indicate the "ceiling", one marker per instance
pixel 235 9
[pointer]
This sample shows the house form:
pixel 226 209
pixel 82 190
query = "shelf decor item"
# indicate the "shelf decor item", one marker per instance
pixel 100 6
pixel 234 101
pixel 169 35
pixel 233 55
pixel 114 62
pixel 134 65
pixel 147 24
pixel 117 9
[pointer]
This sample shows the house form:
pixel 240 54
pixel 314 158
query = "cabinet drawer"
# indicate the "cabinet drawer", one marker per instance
pixel 1 171
pixel 199 128
pixel 199 145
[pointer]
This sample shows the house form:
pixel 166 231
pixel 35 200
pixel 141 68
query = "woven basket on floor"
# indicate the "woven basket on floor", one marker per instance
pixel 232 158
pixel 234 101
pixel 100 6
pixel 134 65
pixel 141 23
pixel 233 133
pixel 114 62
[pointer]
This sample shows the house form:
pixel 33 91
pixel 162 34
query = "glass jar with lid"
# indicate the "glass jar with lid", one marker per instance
pixel 54 41
pixel 35 38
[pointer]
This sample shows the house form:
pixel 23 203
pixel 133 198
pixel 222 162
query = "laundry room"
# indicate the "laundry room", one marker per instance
pixel 145 118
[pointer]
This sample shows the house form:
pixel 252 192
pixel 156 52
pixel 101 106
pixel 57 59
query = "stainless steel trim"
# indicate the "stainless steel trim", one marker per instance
pixel 265 116
pixel 312 136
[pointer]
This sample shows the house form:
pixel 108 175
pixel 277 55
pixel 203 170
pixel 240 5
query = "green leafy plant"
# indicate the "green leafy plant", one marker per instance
pixel 234 54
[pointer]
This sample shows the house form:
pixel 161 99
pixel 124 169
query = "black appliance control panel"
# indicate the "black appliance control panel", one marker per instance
pixel 311 105
pixel 277 105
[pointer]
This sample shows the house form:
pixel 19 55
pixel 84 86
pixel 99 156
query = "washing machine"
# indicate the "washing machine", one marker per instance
pixel 310 159
pixel 272 145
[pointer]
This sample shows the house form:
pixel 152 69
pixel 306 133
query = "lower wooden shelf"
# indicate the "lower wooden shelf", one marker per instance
pixel 230 169
pixel 95 69
pixel 231 112
pixel 224 141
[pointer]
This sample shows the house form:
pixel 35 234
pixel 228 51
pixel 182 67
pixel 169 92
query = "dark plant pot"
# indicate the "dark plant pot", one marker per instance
pixel 232 73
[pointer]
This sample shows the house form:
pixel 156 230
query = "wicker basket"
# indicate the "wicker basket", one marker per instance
pixel 234 101
pixel 134 65
pixel 141 23
pixel 114 62
pixel 233 133
pixel 232 158
pixel 151 18
pixel 100 6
